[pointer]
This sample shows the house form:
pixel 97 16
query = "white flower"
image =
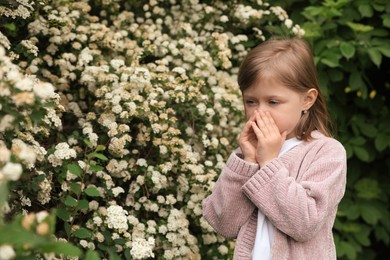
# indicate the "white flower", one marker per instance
pixel 44 90
pixel 85 57
pixel 97 221
pixel 163 149
pixel 224 19
pixel 117 190
pixel 41 215
pixel 288 23
pixel 84 243
pixel 64 152
pixel 142 248
pixel 116 64
pixel 25 84
pixel 201 108
pixel 5 154
pixel 7 252
pixel 11 171
pixel 142 162
pixel 179 70
pixel 116 218
pixel 6 122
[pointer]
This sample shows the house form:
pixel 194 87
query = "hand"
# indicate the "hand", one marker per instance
pixel 248 141
pixel 270 140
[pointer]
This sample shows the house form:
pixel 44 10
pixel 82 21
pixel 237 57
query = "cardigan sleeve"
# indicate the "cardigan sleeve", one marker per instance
pixel 299 206
pixel 227 208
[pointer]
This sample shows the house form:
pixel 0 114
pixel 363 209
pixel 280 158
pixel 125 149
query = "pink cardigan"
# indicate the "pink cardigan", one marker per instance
pixel 298 192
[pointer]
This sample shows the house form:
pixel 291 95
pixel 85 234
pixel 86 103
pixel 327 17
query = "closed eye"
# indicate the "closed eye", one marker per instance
pixel 250 102
pixel 273 102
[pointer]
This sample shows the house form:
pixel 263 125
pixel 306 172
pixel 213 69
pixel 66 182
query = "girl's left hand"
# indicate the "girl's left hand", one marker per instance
pixel 269 138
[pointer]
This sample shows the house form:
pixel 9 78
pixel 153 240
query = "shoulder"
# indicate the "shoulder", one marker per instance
pixel 325 144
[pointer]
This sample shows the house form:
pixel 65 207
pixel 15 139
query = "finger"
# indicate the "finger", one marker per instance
pixel 259 134
pixel 271 122
pixel 264 123
pixel 248 124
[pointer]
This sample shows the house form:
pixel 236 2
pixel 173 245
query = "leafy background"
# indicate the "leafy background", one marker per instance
pixel 352 49
pixel 146 100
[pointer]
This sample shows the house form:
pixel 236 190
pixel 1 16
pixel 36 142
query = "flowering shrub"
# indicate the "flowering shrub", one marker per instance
pixel 121 114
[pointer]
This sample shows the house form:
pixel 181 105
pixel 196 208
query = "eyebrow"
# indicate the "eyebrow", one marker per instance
pixel 266 97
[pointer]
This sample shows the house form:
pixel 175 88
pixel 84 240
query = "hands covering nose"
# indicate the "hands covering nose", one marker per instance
pixel 260 140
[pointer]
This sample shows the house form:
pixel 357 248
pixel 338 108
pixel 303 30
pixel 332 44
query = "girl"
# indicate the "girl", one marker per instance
pixel 278 193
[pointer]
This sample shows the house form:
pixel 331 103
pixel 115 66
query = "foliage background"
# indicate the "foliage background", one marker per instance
pixel 351 42
pixel 123 112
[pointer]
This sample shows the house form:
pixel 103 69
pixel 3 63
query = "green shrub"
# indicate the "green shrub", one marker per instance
pixel 147 109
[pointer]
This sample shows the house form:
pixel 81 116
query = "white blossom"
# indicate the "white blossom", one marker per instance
pixel 142 248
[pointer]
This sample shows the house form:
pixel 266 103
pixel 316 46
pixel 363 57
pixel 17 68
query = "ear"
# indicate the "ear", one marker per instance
pixel 309 98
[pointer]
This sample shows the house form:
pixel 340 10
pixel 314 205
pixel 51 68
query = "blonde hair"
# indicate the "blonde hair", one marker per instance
pixel 291 61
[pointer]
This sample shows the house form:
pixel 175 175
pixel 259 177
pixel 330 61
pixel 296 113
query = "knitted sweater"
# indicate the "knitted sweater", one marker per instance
pixel 298 192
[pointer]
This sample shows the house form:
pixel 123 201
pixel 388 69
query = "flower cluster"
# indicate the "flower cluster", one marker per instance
pixel 146 110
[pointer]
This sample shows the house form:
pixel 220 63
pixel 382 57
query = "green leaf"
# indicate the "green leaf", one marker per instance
pixel 375 56
pixel 10 26
pixel 368 130
pixel 75 169
pixel 366 10
pixel 357 141
pixel 63 214
pixel 88 143
pixel 100 148
pixel 361 153
pixel 3 194
pixel 347 249
pixel 98 155
pixel 382 235
pixel 70 201
pixel 92 192
pixel 64 248
pixel 330 59
pixel 83 204
pixel 363 235
pixel 75 187
pixel 367 188
pixel 352 212
pixel 95 167
pixel 14 234
pixel 347 50
pixel 385 50
pixel 37 116
pixel 370 213
pixel 381 142
pixel 312 11
pixel 349 150
pixel 356 81
pixel 386 20
pixel 350 227
pixel 82 233
pixel 359 28
pixel 92 255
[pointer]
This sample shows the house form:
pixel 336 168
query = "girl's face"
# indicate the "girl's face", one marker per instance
pixel 284 104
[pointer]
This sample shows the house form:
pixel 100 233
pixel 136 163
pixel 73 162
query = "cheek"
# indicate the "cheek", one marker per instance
pixel 249 112
pixel 284 122
pixel 280 123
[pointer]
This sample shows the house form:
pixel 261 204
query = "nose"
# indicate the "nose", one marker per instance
pixel 261 107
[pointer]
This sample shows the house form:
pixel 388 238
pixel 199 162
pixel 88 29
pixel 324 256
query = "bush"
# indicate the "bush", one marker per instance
pixel 127 111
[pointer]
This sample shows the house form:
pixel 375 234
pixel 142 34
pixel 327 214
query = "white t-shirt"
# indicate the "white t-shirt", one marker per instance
pixel 265 229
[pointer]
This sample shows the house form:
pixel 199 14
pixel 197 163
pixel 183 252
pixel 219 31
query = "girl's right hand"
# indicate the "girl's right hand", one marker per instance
pixel 248 141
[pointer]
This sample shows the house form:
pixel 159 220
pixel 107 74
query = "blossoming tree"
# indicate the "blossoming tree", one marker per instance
pixel 116 118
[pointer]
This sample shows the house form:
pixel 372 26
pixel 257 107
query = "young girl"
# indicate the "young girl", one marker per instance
pixel 278 193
